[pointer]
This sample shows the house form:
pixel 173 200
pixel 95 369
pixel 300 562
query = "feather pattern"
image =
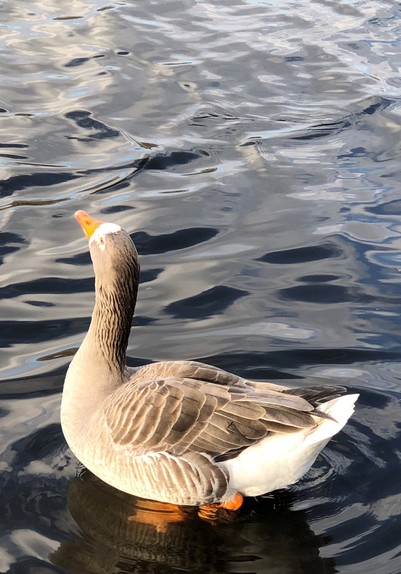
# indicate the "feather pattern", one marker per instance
pixel 177 414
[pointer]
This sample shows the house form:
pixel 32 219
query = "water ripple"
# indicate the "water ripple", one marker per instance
pixel 251 150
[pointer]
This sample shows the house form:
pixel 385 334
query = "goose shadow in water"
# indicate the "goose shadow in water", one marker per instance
pixel 121 533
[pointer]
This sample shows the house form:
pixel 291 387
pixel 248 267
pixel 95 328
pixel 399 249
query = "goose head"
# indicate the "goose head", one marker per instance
pixel 113 253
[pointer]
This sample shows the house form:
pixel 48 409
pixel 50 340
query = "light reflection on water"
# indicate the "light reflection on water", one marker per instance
pixel 252 152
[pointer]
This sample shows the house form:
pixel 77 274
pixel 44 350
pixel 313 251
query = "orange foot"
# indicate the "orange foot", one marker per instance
pixel 213 511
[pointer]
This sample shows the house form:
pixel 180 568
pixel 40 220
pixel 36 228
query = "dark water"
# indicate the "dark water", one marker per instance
pixel 253 151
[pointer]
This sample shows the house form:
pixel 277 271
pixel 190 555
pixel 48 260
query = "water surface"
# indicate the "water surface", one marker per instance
pixel 252 151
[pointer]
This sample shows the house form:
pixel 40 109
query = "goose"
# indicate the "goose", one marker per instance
pixel 181 432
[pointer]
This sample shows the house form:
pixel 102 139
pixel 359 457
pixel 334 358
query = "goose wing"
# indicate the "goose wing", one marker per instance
pixel 179 414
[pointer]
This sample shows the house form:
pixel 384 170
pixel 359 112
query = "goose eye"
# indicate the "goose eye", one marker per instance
pixel 101 240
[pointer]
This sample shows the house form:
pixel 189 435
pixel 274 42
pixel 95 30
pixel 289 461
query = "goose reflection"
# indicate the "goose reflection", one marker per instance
pixel 120 533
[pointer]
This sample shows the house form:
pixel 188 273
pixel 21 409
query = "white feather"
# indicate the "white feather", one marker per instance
pixel 281 459
pixel 104 229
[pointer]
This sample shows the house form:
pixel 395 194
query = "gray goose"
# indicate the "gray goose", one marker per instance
pixel 181 432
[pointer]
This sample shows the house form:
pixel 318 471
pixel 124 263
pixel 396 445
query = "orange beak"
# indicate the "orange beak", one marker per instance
pixel 88 223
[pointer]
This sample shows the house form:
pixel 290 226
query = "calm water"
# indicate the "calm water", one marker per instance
pixel 252 149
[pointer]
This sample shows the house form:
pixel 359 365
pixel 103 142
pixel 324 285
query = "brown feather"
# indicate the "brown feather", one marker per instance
pixel 218 415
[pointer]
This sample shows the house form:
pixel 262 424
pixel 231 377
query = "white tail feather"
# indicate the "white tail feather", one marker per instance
pixel 281 459
pixel 339 410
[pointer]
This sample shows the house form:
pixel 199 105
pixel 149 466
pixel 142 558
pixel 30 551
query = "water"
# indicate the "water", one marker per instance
pixel 252 150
